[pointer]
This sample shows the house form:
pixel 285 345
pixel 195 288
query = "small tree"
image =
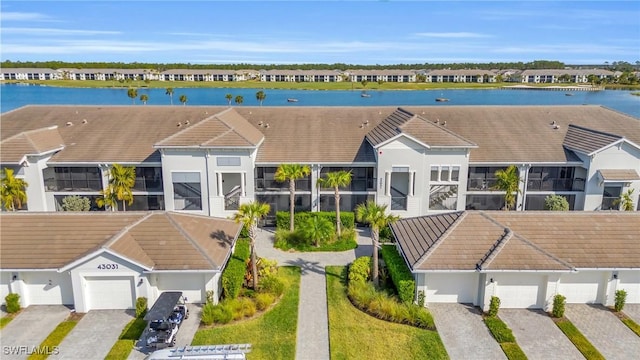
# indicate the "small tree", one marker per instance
pixel 170 93
pixel 494 306
pixel 141 307
pixel 13 303
pixel 229 97
pixel 336 180
pixel 260 96
pixel 625 200
pixel 13 190
pixel 621 299
pixel 144 98
pixel 239 100
pixel 364 83
pixel 559 302
pixel 556 203
pixel 317 229
pixel 291 172
pixel 183 99
pixel 76 203
pixel 133 94
pixel 249 215
pixel 508 180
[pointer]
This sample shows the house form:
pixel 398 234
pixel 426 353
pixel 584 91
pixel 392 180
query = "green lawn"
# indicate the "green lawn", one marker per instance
pixel 272 335
pixel 6 320
pixel 56 336
pixel 356 335
pixel 582 344
pixel 127 340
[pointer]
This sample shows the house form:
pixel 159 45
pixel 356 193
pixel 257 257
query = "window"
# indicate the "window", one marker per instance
pixel 187 194
pixel 148 179
pixel 228 161
pixel 610 196
pixel 435 176
pixel 455 173
pixel 72 179
pixel 443 197
pixel 445 173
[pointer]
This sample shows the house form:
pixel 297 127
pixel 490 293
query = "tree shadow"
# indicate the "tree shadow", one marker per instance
pixel 225 240
pixel 307 266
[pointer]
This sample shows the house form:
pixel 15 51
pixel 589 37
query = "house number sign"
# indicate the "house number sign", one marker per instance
pixel 107 266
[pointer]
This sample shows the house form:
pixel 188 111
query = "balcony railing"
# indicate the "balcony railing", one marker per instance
pixel 481 184
pixel 232 202
pixel 609 203
pixel 555 184
pixel 398 199
pixel 272 185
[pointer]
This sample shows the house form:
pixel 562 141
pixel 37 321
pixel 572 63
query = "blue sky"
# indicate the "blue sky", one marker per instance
pixel 352 32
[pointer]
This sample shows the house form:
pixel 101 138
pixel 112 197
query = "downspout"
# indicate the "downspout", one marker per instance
pixel 525 185
pixel 206 169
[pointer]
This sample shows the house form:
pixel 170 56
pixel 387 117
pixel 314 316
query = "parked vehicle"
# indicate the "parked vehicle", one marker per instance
pixel 209 352
pixel 165 317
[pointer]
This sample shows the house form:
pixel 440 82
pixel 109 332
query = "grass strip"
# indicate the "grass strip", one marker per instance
pixel 54 339
pixel 504 336
pixel 5 320
pixel 127 340
pixel 355 335
pixel 272 335
pixel 580 341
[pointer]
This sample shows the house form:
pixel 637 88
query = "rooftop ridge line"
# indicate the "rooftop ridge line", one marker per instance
pixel 125 230
pixel 193 243
pixel 436 244
pixel 172 136
pixel 495 249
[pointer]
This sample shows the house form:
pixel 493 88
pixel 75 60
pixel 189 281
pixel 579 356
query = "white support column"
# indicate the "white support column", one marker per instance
pixel 612 286
pixel 551 290
pixel 412 175
pixel 387 183
pixel 219 179
pixel 243 176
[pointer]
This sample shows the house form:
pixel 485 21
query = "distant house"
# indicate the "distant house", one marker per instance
pixel 29 74
pixel 198 75
pixel 552 76
pixel 402 76
pixel 460 76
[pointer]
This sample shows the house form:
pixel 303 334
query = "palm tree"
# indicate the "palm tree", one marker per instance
pixel 133 94
pixel 108 198
pixel 144 98
pixel 375 215
pixel 317 229
pixel 229 97
pixel 12 190
pixel 121 181
pixel 170 93
pixel 249 214
pixel 625 200
pixel 183 99
pixel 260 96
pixel 508 180
pixel 291 172
pixel 336 180
pixel 239 99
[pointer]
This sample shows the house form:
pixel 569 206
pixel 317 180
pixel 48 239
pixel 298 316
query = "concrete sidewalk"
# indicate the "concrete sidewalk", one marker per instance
pixel 313 323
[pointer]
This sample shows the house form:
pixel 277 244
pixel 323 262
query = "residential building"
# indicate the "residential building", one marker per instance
pixel 29 74
pixel 461 76
pixel 553 76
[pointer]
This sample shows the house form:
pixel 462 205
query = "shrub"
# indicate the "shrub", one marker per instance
pixel 272 285
pixel 282 218
pixel 559 302
pixel 386 234
pixel 494 305
pixel 621 299
pixel 13 303
pixel 248 307
pixel 400 273
pixel 209 295
pixel 499 329
pixel 233 274
pixel 141 307
pixel 218 314
pixel 360 269
pixel 556 203
pixel 421 298
pixel 264 300
pixel 76 203
pixel 267 267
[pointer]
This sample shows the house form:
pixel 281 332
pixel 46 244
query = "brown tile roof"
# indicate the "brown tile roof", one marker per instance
pixel 619 174
pixel 522 241
pixel 587 141
pixel 160 241
pixel 31 142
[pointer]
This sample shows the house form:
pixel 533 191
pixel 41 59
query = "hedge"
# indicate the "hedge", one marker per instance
pixel 233 274
pixel 347 218
pixel 400 273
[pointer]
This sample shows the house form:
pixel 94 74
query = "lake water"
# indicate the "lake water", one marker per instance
pixel 13 96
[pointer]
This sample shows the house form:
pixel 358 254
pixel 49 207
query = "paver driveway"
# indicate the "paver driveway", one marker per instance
pixel 464 334
pixel 95 334
pixel 632 311
pixel 605 331
pixel 31 327
pixel 538 336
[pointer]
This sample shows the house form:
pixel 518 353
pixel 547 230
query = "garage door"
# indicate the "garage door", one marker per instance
pixel 110 293
pixel 48 288
pixel 582 287
pixel 630 281
pixel 520 291
pixel 191 285
pixel 452 288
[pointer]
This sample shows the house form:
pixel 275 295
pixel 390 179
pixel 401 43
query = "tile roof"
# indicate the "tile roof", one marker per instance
pixel 517 241
pixel 619 174
pixel 158 240
pixel 31 142
pixel 587 141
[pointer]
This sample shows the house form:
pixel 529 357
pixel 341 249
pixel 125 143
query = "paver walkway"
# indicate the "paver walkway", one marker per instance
pixel 463 333
pixel 538 336
pixel 632 311
pixel 313 323
pixel 605 331
pixel 30 328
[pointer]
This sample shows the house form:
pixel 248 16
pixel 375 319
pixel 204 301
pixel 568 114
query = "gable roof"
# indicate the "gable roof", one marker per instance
pixel 426 132
pixel 157 240
pixel 32 142
pixel 588 141
pixel 520 241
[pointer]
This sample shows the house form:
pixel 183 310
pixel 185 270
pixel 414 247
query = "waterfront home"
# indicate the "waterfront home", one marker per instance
pixel 552 76
pixel 390 75
pixel 29 74
pixel 461 76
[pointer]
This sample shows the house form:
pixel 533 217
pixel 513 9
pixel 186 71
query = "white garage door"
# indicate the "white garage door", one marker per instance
pixel 191 284
pixel 630 281
pixel 110 292
pixel 452 288
pixel 520 291
pixel 582 287
pixel 48 288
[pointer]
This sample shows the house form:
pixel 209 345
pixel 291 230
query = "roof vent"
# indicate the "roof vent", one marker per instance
pixel 179 124
pixel 266 125
pixel 260 123
pixel 84 121
pixel 187 122
pixel 553 123
pixel 69 123
pixel 444 123
pixel 556 127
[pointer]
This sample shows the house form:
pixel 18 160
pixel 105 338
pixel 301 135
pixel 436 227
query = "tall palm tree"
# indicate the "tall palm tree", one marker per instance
pixel 12 190
pixel 170 93
pixel 375 215
pixel 508 180
pixel 317 229
pixel 336 180
pixel 133 94
pixel 121 180
pixel 291 172
pixel 144 98
pixel 183 100
pixel 107 199
pixel 249 214
pixel 260 96
pixel 239 99
pixel 229 97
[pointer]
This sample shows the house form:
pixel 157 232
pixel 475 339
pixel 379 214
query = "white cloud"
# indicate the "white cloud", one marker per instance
pixel 452 35
pixel 23 16
pixel 54 32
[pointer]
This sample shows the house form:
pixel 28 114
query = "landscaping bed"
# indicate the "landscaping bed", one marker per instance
pixel 57 335
pixel 578 339
pixel 376 339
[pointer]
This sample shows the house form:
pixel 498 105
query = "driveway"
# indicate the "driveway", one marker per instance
pixel 464 334
pixel 538 335
pixel 31 327
pixel 605 331
pixel 95 334
pixel 632 311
